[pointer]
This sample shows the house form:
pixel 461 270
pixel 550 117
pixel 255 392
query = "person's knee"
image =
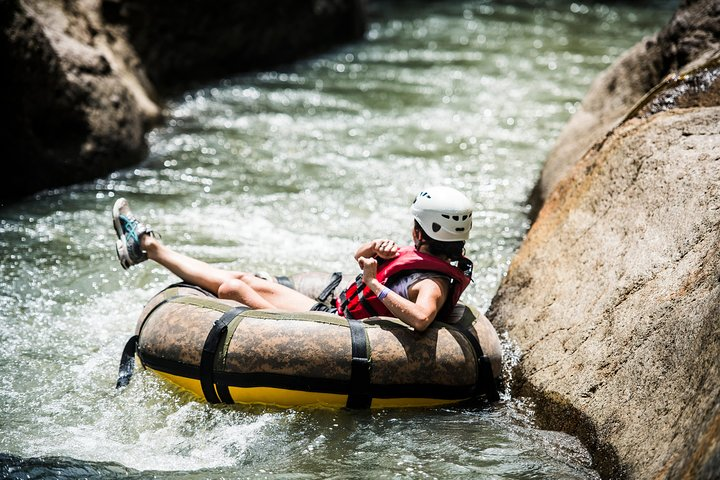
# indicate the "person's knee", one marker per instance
pixel 249 279
pixel 231 288
pixel 240 275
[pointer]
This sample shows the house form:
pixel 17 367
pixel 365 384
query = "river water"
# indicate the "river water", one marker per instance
pixel 287 171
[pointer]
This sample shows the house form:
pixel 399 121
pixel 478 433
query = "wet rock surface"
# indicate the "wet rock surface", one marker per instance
pixel 81 78
pixel 691 38
pixel 614 297
pixel 73 116
pixel 206 40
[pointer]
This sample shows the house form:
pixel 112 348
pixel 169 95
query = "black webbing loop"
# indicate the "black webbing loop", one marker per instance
pixel 335 280
pixel 207 360
pixel 485 379
pixel 359 392
pixel 127 362
pixel 127 359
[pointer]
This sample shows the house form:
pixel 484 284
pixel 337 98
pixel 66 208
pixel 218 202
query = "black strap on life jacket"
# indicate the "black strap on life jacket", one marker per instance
pixel 485 380
pixel 357 291
pixel 207 359
pixel 335 280
pixel 344 303
pixel 359 392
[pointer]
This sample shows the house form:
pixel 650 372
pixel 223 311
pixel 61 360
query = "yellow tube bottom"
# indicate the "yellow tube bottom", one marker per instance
pixel 285 398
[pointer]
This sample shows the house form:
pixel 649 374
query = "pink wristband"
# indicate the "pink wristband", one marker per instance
pixel 383 293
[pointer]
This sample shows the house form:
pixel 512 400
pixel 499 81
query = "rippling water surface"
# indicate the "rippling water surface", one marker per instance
pixel 287 171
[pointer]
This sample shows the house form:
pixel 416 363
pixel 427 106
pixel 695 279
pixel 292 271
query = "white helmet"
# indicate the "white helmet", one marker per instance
pixel 443 213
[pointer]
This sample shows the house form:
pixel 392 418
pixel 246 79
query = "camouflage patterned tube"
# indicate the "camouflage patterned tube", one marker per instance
pixel 224 352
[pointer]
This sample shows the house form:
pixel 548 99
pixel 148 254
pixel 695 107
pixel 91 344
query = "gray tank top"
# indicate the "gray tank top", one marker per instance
pixel 401 284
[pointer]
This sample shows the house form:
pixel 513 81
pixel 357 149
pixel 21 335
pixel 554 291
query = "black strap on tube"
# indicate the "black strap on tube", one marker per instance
pixel 127 359
pixel 127 362
pixel 223 391
pixel 359 393
pixel 207 360
pixel 485 381
pixel 189 285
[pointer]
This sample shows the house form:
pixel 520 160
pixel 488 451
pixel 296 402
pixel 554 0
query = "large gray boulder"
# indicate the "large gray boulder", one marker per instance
pixel 81 79
pixel 614 297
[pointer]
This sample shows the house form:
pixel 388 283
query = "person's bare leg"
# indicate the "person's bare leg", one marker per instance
pixel 137 243
pixel 240 291
pixel 189 269
pixel 278 296
pixel 242 287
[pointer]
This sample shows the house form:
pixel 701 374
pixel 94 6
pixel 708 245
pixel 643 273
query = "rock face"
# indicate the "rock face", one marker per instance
pixel 614 297
pixel 205 40
pixel 690 38
pixel 72 115
pixel 80 78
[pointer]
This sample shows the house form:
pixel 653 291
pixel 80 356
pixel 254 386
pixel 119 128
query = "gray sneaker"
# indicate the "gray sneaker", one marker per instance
pixel 129 230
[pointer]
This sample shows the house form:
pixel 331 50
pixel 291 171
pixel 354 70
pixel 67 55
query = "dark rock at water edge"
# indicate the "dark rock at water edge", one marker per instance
pixel 205 40
pixel 81 79
pixel 614 297
pixel 71 118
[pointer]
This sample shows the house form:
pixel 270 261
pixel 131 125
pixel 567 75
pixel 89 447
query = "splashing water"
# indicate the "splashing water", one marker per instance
pixel 287 171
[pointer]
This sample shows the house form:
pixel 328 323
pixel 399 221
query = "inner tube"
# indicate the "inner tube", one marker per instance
pixel 226 353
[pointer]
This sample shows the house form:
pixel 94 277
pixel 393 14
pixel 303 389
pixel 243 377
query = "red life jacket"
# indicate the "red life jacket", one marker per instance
pixel 357 301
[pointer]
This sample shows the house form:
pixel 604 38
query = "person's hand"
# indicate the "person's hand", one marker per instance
pixel 369 268
pixel 384 248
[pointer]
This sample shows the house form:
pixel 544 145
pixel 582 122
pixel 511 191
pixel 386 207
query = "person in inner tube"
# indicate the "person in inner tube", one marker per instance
pixel 413 284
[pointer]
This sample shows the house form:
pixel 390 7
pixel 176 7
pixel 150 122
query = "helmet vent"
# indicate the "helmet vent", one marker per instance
pixel 444 213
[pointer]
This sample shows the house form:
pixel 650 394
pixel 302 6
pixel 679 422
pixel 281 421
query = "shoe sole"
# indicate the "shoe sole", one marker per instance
pixel 120 245
pixel 119 203
pixel 121 251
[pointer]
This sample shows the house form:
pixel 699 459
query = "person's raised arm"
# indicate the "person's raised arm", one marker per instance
pixel 419 314
pixel 382 248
